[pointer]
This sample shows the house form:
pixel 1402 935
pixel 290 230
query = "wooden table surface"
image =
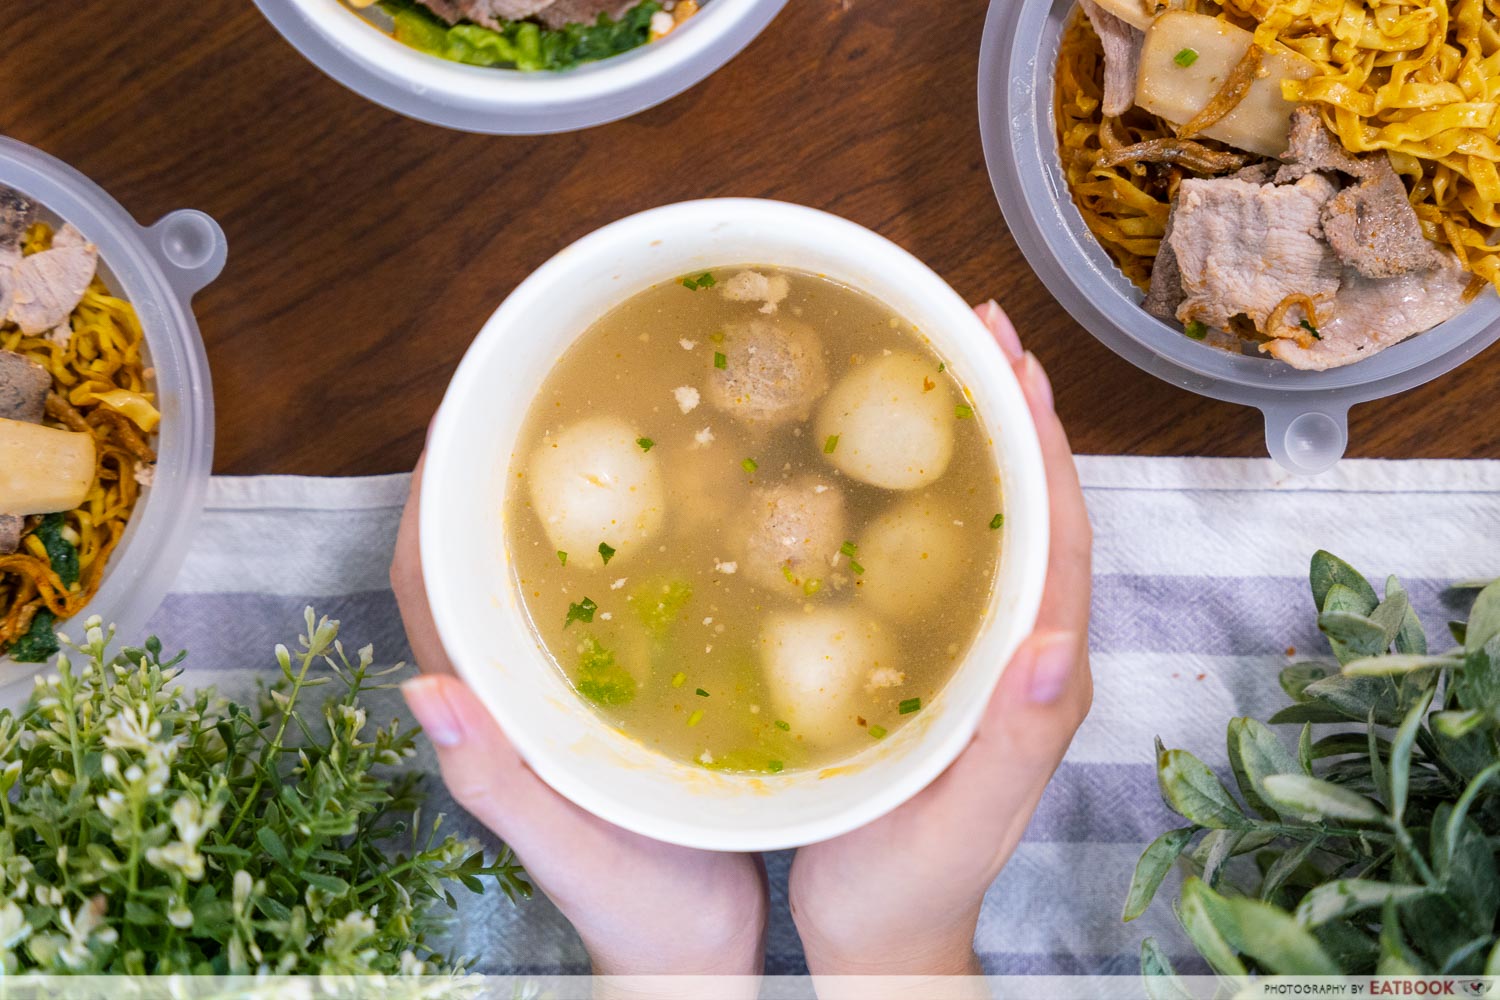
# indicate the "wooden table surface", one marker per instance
pixel 366 249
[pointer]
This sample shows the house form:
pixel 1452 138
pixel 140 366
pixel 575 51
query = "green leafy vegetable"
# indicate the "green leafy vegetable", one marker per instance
pixel 600 677
pixel 523 45
pixel 164 832
pixel 659 603
pixel 61 553
pixel 582 611
pixel 1374 849
pixel 38 642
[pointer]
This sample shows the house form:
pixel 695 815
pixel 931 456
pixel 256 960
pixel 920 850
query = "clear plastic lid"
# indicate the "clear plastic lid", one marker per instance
pixel 158 269
pixel 371 63
pixel 1306 412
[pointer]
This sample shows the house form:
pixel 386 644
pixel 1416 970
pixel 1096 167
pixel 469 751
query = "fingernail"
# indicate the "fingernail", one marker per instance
pixel 1052 667
pixel 425 698
pixel 1003 329
pixel 1038 386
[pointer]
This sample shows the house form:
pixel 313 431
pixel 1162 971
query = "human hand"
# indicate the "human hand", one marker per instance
pixel 901 896
pixel 641 907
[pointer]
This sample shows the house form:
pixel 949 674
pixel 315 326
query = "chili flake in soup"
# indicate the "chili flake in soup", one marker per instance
pixel 754 519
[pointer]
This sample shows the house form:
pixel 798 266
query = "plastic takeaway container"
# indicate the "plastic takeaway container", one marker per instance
pixel 158 268
pixel 355 52
pixel 1306 413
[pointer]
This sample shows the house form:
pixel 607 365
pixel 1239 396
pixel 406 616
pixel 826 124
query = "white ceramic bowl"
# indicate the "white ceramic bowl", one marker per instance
pixel 483 99
pixel 468 572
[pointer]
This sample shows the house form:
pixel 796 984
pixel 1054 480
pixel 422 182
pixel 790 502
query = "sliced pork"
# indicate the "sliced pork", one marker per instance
pixel 16 214
pixel 1371 314
pixel 490 13
pixel 23 388
pixel 1243 248
pixel 1165 292
pixel 49 285
pixel 555 15
pixel 1122 56
pixel 23 396
pixel 1371 224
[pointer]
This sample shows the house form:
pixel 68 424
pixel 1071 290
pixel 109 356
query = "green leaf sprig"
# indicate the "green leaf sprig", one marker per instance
pixel 1373 845
pixel 150 831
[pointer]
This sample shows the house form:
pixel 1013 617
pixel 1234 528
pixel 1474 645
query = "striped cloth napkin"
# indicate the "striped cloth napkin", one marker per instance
pixel 1200 594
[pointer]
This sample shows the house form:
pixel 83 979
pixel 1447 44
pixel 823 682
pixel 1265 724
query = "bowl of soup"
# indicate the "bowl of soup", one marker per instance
pixel 733 515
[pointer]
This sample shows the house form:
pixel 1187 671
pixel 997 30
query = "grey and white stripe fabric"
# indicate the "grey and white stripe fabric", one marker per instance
pixel 1200 592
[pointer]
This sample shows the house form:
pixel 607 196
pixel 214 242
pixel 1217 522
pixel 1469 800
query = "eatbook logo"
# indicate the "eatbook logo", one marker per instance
pixel 1477 987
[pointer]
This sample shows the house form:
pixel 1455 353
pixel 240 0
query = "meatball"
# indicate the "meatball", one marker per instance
pixel 591 483
pixel 894 422
pixel 773 372
pixel 794 531
pixel 913 554
pixel 817 667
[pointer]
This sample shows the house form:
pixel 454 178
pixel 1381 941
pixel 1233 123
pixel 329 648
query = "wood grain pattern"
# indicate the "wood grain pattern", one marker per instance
pixel 367 249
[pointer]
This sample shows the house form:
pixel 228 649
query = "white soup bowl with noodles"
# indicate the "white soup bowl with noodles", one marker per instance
pixel 470 567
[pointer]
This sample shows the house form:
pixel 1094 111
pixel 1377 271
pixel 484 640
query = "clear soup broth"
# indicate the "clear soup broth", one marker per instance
pixel 754 519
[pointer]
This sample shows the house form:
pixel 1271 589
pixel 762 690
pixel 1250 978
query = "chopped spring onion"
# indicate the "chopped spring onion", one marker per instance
pixel 701 693
pixel 877 731
pixel 812 586
pixel 720 361
pixel 909 706
pixel 786 571
pixel 856 568
pixel 678 678
pixel 695 718
pixel 963 411
pixel 749 465
pixel 704 280
pixel 562 557
pixel 606 552
pixel 1311 329
pixel 942 366
pixel 646 443
pixel 775 767
pixel 1195 330
pixel 583 611
pixel 717 337
pixel 849 549
pixel 1185 57
pixel 785 726
pixel 996 522
pixel 830 444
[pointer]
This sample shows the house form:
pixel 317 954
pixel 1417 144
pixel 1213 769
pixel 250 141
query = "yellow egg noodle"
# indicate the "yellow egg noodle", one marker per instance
pixel 99 386
pixel 1420 82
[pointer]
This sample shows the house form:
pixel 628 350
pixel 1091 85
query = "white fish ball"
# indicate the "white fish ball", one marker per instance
pixel 894 419
pixel 817 665
pixel 913 555
pixel 591 483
